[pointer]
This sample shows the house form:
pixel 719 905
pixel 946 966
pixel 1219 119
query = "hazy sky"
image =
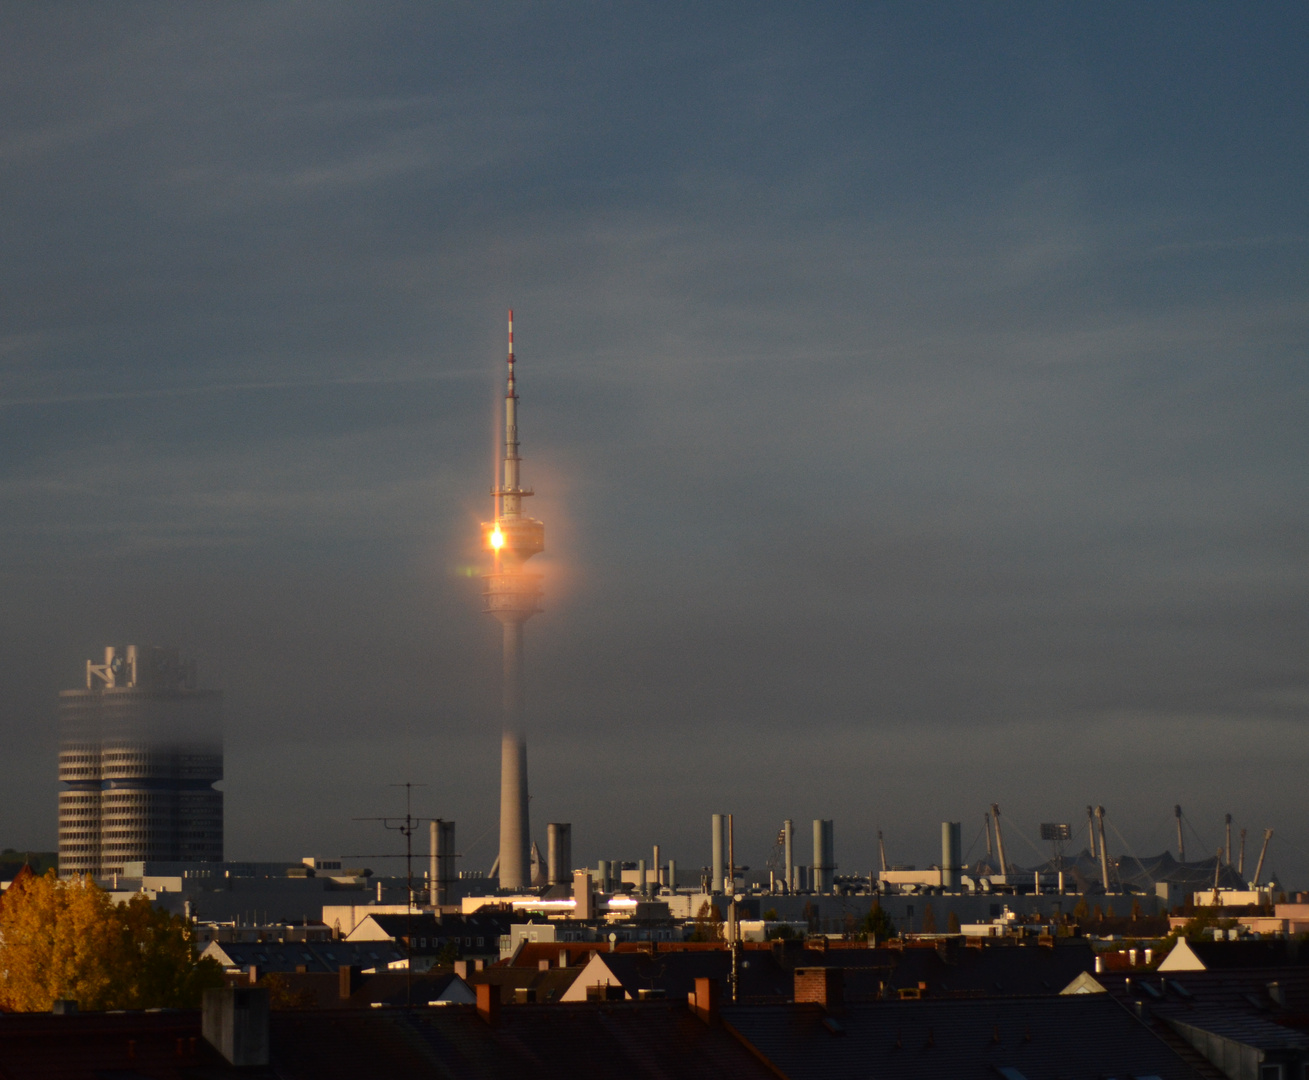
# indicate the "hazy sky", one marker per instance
pixel 916 397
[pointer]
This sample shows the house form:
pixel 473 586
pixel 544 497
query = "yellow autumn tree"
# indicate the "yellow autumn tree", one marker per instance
pixel 67 939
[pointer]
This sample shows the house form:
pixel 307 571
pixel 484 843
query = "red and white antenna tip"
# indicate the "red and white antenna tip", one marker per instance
pixel 511 331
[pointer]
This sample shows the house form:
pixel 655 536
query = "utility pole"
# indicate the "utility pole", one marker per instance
pixel 732 930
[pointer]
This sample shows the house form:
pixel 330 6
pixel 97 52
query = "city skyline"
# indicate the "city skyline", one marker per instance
pixel 918 405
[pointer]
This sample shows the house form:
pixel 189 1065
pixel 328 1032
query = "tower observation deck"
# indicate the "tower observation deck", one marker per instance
pixel 512 595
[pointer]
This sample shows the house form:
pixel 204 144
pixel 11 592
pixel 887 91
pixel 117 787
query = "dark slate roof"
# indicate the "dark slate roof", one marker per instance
pixel 1264 1007
pixel 767 975
pixel 1251 953
pixel 319 990
pixel 1039 1038
pixel 762 978
pixel 269 956
pixel 553 1042
pixel 547 986
pixel 89 1046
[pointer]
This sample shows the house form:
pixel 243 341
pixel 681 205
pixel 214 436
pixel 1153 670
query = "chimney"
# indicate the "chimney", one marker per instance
pixel 461 969
pixel 704 1000
pixel 488 1003
pixel 348 980
pixel 253 972
pixel 823 986
pixel 235 1023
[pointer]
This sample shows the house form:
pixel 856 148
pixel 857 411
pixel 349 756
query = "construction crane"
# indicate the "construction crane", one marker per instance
pixel 1259 866
pixel 1229 839
pixel 1181 844
pixel 1240 866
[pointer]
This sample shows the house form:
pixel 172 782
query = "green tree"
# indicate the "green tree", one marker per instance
pixel 1082 911
pixel 158 967
pixel 929 920
pixel 878 924
pixel 708 924
pixel 67 939
pixel 952 924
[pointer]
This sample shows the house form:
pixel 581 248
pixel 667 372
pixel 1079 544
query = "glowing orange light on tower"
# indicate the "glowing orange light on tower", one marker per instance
pixel 497 538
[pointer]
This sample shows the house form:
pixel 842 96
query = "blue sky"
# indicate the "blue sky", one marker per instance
pixel 916 398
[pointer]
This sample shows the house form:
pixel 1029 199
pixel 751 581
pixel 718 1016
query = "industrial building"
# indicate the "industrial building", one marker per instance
pixel 140 751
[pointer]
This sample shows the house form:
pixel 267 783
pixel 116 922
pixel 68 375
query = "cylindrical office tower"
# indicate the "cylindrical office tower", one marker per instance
pixel 951 845
pixel 513 596
pixel 559 853
pixel 141 750
pixel 824 875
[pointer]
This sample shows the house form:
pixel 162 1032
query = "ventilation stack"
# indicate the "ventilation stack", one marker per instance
pixel 951 845
pixel 824 874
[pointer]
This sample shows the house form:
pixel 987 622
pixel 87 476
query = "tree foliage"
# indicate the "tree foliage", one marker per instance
pixel 878 923
pixel 67 939
pixel 708 924
pixel 929 920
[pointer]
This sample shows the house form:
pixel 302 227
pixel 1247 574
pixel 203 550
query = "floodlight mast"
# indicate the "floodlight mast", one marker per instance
pixel 512 596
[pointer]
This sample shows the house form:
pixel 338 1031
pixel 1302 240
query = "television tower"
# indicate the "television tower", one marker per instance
pixel 513 596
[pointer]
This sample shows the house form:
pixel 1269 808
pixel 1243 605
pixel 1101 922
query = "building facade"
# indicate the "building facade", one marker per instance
pixel 140 751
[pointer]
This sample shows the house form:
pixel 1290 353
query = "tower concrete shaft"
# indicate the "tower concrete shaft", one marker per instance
pixel 512 595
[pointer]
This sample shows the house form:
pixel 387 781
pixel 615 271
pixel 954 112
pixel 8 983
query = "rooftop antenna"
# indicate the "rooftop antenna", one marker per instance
pixel 1240 866
pixel 405 826
pixel 1181 845
pixel 1228 858
pixel 881 850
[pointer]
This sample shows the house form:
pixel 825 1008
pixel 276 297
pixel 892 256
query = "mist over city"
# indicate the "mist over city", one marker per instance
pixel 915 400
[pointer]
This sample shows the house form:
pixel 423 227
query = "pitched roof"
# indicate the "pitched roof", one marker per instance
pixel 287 956
pixel 1080 1038
pixel 555 1042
